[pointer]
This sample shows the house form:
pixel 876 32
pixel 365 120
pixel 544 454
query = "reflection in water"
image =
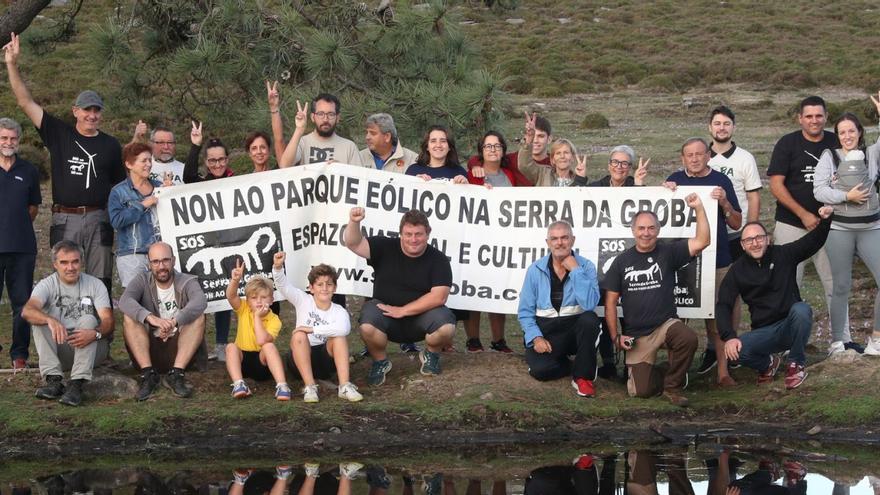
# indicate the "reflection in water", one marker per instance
pixel 633 472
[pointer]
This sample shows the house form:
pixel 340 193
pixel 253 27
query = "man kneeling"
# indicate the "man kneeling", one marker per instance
pixel 163 323
pixel 556 306
pixel 765 277
pixel 410 287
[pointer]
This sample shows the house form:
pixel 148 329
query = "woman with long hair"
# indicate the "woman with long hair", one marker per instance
pixel 438 157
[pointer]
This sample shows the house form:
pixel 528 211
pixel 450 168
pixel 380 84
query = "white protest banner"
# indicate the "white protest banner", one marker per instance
pixel 490 236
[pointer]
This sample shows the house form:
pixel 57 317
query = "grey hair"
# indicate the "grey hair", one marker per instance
pixel 7 123
pixel 385 123
pixel 627 150
pixel 693 140
pixel 560 224
pixel 160 128
pixel 67 246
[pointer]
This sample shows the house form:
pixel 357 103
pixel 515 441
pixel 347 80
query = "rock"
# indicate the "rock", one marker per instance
pixel 334 429
pixel 597 20
pixel 515 22
pixel 468 23
pixel 563 20
pixel 109 384
pixel 487 396
pixel 847 356
pixel 318 444
pixel 814 430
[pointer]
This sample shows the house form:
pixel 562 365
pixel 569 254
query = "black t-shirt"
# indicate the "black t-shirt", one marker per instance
pixel 84 169
pixel 399 279
pixel 796 159
pixel 646 284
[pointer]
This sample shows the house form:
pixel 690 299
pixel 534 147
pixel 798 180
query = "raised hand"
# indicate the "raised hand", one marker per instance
pixel 278 260
pixel 238 271
pixel 693 200
pixel 302 114
pixel 274 96
pixel 581 168
pixel 530 127
pixel 357 214
pixel 11 51
pixel 140 130
pixel 195 135
pixel 167 179
pixel 876 101
pixel 641 172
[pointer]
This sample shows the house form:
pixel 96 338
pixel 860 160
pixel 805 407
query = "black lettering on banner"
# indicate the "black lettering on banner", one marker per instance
pixel 475 214
pixel 324 189
pixel 327 234
pixel 467 289
pixel 673 213
pixel 197 208
pixel 464 253
pixel 251 205
pixel 533 213
pixel 688 284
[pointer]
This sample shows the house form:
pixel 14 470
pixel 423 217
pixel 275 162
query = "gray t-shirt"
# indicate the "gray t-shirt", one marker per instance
pixel 315 149
pixel 497 180
pixel 67 303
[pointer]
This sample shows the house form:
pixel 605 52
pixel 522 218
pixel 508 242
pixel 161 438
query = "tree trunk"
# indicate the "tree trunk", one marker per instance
pixel 18 17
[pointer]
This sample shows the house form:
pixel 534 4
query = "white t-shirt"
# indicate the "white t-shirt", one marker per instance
pixel 315 149
pixel 157 172
pixel 740 167
pixel 333 322
pixel 167 303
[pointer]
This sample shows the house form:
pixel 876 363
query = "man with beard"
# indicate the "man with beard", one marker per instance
pixel 164 322
pixel 19 199
pixel 322 144
pixel 384 151
pixel 163 147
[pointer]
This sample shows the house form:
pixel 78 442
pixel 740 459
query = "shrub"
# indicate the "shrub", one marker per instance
pixel 594 121
pixel 520 85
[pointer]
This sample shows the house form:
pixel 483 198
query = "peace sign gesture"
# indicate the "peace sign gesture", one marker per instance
pixel 274 96
pixel 195 135
pixel 12 50
pixel 530 127
pixel 302 112
pixel 642 172
pixel 581 168
pixel 876 101
pixel 238 271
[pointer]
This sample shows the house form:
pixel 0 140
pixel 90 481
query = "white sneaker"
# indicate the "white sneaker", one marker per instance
pixel 219 353
pixel 350 470
pixel 835 347
pixel 310 393
pixel 873 347
pixel 349 392
pixel 311 469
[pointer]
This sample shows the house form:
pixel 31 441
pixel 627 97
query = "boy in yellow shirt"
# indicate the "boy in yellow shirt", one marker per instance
pixel 254 354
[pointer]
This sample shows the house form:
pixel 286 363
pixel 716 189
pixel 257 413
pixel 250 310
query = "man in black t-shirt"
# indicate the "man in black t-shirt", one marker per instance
pixel 86 164
pixel 411 281
pixel 791 171
pixel 642 278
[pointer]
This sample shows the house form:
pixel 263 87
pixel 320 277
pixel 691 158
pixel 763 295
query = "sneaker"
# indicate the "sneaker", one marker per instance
pixel 219 354
pixel 310 393
pixel 795 375
pixel 53 389
pixel 149 381
pixel 409 347
pixel 676 398
pixel 709 362
pixel 240 390
pixel 583 462
pixel 176 382
pixel 73 395
pixel 794 472
pixel 349 392
pixel 350 470
pixel 282 392
pixel 583 387
pixel 855 347
pixel 767 375
pixel 500 346
pixel 430 362
pixel 873 347
pixel 378 371
pixel 283 472
pixel 19 364
pixel 312 469
pixel 364 353
pixel 607 371
pixel 835 347
pixel 241 475
pixel 474 345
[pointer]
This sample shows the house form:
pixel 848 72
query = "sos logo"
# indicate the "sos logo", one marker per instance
pixel 612 245
pixel 608 250
pixel 191 242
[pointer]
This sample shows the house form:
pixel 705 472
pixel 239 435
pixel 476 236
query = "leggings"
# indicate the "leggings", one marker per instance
pixel 842 246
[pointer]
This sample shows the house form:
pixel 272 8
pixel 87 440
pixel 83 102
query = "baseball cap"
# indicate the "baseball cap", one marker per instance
pixel 89 98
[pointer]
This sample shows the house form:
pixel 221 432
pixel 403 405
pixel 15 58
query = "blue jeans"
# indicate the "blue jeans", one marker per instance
pixel 17 274
pixel 789 334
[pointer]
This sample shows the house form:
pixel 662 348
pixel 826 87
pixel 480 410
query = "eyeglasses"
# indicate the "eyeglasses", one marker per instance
pixel 163 261
pixel 758 239
pixel 490 147
pixel 327 115
pixel 216 161
pixel 164 143
pixel 619 163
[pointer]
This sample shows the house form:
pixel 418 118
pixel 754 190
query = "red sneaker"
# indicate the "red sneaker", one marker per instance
pixel 584 461
pixel 767 375
pixel 794 375
pixel 583 387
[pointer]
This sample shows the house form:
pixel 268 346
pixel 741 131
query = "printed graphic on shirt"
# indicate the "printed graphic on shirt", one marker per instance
pixel 810 170
pixel 77 165
pixel 320 154
pixel 71 308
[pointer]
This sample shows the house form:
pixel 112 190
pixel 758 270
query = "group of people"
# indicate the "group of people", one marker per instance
pixel 825 185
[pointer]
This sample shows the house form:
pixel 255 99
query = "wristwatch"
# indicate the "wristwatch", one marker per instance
pixel 98 335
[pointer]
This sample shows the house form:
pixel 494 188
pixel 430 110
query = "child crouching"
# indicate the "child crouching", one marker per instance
pixel 254 354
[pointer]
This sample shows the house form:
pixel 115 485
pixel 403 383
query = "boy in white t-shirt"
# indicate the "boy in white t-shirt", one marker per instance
pixel 319 341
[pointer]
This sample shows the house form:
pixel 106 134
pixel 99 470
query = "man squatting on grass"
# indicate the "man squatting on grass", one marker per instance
pixel 556 304
pixel 766 278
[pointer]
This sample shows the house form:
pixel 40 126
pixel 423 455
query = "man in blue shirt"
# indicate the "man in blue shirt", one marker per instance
pixel 19 199
pixel 695 159
pixel 384 151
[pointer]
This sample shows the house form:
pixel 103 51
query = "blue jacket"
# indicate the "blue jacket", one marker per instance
pixel 581 293
pixel 133 223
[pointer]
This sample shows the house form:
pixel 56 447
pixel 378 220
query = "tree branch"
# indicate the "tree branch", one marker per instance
pixel 19 16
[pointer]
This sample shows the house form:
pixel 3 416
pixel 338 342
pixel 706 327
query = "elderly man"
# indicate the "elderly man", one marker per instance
pixel 323 143
pixel 164 322
pixel 766 278
pixel 696 172
pixel 19 199
pixel 410 285
pixel 384 150
pixel 163 146
pixel 644 276
pixel 86 164
pixel 71 317
pixel 556 304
